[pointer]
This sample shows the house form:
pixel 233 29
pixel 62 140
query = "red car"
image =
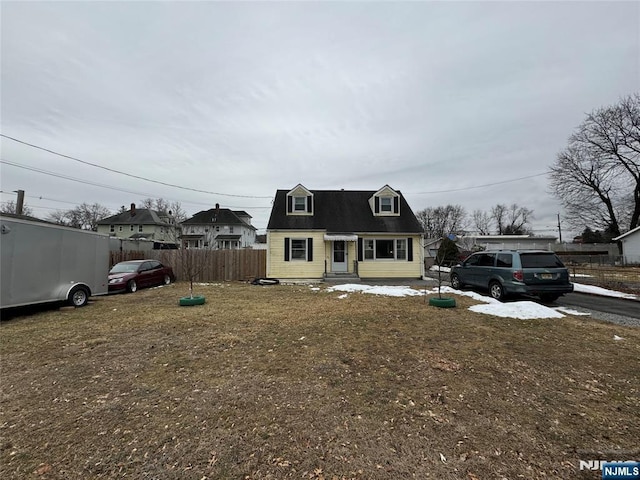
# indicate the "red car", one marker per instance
pixel 134 274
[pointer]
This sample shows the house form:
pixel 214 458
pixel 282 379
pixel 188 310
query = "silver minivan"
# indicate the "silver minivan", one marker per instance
pixel 514 272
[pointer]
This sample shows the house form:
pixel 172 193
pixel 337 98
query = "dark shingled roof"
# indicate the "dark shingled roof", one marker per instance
pixel 224 216
pixel 143 216
pixel 342 211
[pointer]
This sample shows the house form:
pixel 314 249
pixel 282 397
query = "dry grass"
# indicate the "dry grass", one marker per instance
pixel 287 382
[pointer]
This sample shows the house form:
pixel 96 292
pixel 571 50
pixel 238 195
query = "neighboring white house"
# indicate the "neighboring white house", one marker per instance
pixel 218 228
pixel 140 224
pixel 630 242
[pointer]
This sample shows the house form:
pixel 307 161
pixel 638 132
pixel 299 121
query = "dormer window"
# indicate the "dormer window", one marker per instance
pixel 299 201
pixel 385 202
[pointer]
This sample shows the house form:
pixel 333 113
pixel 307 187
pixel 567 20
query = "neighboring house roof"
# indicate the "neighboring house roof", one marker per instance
pixel 630 232
pixel 222 216
pixel 242 213
pixel 342 211
pixel 140 216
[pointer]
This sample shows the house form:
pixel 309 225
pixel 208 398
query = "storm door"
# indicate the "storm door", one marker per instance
pixel 339 257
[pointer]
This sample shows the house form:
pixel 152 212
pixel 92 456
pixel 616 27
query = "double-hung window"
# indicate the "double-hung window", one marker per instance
pixel 299 204
pixel 298 249
pixel 369 249
pixel 386 204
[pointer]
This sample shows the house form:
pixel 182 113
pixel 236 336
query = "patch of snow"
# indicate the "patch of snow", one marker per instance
pixel 526 310
pixel 571 311
pixel 581 288
pixel 434 268
pixel 463 293
pixel 617 338
pixel 390 291
pixel 344 295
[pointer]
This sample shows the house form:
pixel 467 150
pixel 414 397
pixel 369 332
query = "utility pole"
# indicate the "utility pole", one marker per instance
pixel 19 202
pixel 559 228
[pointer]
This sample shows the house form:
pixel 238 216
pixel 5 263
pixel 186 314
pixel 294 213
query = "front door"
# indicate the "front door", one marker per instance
pixel 339 257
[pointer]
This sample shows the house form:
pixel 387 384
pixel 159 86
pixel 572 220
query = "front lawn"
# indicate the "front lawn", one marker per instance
pixel 294 382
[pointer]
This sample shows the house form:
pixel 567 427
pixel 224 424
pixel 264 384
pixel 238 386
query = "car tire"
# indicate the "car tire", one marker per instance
pixel 167 280
pixel 132 286
pixel 549 297
pixel 455 282
pixel 78 296
pixel 496 291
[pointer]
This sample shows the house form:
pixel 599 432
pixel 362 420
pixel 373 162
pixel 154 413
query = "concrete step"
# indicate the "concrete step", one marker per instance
pixel 341 278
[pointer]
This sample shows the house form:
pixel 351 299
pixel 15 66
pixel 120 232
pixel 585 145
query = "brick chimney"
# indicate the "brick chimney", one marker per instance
pixel 133 209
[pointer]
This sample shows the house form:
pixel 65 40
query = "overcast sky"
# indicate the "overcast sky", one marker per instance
pixel 436 99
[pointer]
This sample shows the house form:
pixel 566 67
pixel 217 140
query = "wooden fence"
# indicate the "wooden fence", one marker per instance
pixel 211 265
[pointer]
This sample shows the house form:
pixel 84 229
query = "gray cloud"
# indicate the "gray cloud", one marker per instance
pixel 245 98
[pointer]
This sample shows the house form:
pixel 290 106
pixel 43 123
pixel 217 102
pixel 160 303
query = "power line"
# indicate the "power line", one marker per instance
pixel 66 177
pixel 479 186
pixel 185 202
pixel 125 173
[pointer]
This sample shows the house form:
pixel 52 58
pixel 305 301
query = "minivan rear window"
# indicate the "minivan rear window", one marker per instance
pixel 540 260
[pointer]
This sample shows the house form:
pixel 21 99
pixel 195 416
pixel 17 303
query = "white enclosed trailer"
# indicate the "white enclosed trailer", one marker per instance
pixel 43 262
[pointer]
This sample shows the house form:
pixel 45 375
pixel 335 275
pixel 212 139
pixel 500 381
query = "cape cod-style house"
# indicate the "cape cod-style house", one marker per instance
pixel 324 234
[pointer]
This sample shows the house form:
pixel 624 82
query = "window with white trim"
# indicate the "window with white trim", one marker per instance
pixel 112 228
pixel 299 204
pixel 386 204
pixel 140 228
pixel 298 249
pixel 369 249
pixel 385 249
pixel 401 249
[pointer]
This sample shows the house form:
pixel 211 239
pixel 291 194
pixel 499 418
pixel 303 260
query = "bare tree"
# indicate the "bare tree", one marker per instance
pixel 517 220
pixel 84 216
pixel 498 213
pixel 166 208
pixel 597 176
pixel 482 222
pixel 11 207
pixel 441 221
pixel 511 220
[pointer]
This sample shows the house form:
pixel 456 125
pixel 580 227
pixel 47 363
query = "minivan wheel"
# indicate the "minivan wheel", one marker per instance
pixel 455 282
pixel 496 291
